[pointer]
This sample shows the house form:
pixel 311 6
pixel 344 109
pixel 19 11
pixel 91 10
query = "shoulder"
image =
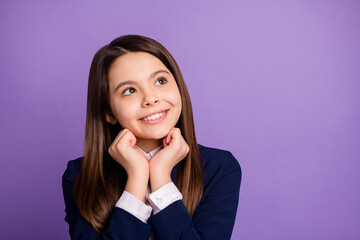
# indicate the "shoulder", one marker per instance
pixel 215 158
pixel 72 169
pixel 217 162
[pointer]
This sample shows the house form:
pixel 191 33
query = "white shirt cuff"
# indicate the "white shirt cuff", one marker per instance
pixel 163 197
pixel 135 206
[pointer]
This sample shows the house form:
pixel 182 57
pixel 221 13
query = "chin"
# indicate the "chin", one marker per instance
pixel 156 134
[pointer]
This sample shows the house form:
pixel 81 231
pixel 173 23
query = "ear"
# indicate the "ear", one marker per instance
pixel 110 118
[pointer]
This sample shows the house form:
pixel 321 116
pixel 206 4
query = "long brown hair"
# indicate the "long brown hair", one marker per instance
pixel 101 180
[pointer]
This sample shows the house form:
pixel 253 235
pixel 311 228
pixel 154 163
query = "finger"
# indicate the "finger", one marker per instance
pixel 124 138
pixel 129 138
pixel 174 135
pixel 179 140
pixel 116 140
pixel 168 138
pixel 120 134
pixel 165 141
pixel 132 140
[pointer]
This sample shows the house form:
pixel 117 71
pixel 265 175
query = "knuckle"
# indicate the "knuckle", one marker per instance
pixel 117 147
pixel 187 149
pixel 111 148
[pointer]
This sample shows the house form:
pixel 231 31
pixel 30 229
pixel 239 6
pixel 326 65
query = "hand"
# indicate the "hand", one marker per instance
pixel 161 164
pixel 124 151
pixel 136 165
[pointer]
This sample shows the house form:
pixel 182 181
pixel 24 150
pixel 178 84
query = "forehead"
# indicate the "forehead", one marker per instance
pixel 134 65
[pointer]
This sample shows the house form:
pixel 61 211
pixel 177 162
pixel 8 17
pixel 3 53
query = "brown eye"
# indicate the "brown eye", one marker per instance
pixel 129 91
pixel 160 81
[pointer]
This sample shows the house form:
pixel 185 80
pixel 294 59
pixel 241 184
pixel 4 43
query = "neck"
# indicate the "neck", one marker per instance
pixel 148 145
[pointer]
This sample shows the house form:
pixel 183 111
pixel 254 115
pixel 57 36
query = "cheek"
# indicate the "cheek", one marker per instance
pixel 178 99
pixel 177 102
pixel 124 113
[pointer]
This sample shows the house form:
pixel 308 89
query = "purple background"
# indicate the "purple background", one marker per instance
pixel 274 82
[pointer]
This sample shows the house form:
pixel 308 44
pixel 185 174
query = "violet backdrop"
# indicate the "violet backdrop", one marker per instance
pixel 274 82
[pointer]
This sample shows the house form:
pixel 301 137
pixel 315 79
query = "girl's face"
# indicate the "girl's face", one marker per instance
pixel 144 96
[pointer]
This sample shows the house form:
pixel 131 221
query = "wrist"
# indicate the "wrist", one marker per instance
pixel 137 186
pixel 140 175
pixel 159 179
pixel 156 169
pixel 138 172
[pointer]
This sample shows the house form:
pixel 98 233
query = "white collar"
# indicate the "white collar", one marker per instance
pixel 151 153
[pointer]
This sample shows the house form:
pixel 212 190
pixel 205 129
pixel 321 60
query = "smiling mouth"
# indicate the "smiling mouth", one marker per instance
pixel 154 116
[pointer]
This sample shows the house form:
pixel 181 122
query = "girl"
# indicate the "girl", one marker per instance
pixel 143 175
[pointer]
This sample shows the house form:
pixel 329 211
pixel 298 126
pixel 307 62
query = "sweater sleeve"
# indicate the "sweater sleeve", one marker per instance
pixel 135 206
pixel 163 197
pixel 215 215
pixel 123 225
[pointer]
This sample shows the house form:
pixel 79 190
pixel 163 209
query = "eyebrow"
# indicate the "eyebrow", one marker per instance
pixel 133 82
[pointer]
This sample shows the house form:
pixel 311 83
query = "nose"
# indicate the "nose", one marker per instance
pixel 150 99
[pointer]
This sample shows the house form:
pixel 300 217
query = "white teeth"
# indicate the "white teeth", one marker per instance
pixel 153 117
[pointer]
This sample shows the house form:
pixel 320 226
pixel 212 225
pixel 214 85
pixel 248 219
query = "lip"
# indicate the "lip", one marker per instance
pixel 164 110
pixel 156 120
